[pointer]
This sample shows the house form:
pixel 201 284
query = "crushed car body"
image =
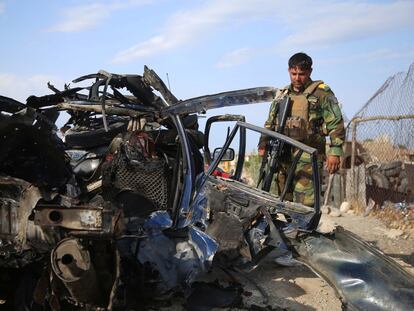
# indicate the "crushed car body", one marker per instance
pixel 124 210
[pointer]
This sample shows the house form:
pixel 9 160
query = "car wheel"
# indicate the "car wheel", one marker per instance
pixel 403 185
pixel 391 165
pixel 380 180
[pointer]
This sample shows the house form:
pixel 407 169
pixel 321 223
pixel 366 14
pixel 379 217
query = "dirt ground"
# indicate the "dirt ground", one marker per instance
pixel 298 288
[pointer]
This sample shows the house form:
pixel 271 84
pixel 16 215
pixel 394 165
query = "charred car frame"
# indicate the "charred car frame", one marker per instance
pixel 124 211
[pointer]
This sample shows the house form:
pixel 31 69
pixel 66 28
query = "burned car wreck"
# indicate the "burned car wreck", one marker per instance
pixel 123 211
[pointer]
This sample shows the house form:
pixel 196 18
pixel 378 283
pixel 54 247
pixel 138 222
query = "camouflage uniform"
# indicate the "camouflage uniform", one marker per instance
pixel 325 118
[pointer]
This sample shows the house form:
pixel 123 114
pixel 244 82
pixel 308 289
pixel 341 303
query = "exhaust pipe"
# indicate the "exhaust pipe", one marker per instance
pixel 72 264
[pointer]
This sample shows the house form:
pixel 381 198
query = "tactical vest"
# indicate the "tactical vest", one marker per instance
pixel 297 124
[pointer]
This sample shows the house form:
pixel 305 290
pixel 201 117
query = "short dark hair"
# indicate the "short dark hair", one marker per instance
pixel 301 60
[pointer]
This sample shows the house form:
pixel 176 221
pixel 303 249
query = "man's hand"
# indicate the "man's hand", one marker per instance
pixel 261 151
pixel 332 163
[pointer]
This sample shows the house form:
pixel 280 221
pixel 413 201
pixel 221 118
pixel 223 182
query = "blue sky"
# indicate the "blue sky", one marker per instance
pixel 206 46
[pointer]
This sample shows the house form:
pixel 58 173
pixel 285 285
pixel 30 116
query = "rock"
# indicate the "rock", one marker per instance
pixel 335 212
pixel 345 207
pixel 351 212
pixel 326 225
pixel 394 233
pixel 325 209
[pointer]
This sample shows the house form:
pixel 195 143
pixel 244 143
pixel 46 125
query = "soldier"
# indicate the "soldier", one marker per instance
pixel 314 114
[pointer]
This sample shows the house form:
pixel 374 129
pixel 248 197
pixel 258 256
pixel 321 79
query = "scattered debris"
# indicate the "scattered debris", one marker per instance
pixel 326 209
pixel 369 208
pixel 394 233
pixel 335 212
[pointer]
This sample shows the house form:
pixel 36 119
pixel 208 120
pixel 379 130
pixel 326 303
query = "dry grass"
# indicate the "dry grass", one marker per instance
pixel 391 216
pixel 395 218
pixel 358 208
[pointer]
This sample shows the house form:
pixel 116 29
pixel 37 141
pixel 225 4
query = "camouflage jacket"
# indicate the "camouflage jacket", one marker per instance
pixel 325 115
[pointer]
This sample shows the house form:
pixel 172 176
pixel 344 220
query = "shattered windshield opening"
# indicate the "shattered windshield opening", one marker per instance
pixel 257 181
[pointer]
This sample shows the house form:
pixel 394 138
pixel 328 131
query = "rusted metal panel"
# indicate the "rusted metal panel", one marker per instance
pixel 17 199
pixel 8 218
pixel 75 219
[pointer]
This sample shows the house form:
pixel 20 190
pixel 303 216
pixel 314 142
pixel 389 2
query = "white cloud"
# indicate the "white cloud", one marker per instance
pixel 339 22
pixel 236 58
pixel 187 26
pixel 82 17
pixel 19 88
pixel 320 23
pixel 90 15
pixel 373 56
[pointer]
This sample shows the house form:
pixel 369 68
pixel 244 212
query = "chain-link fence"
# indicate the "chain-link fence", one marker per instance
pixel 379 154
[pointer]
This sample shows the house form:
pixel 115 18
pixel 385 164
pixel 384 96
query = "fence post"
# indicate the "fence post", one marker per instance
pixel 353 150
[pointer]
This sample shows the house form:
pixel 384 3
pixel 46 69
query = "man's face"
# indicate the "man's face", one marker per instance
pixel 299 77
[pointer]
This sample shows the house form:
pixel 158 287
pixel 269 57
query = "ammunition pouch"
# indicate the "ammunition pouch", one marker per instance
pixel 298 125
pixel 296 128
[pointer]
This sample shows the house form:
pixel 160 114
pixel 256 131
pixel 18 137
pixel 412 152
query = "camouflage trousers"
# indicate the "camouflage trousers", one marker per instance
pixel 301 189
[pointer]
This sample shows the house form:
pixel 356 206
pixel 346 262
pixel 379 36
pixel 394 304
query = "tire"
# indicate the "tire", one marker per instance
pixel 392 171
pixel 403 174
pixel 380 180
pixel 391 165
pixel 94 138
pixel 371 166
pixel 403 185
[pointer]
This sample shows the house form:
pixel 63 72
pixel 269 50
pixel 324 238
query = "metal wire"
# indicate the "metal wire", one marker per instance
pixel 382 135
